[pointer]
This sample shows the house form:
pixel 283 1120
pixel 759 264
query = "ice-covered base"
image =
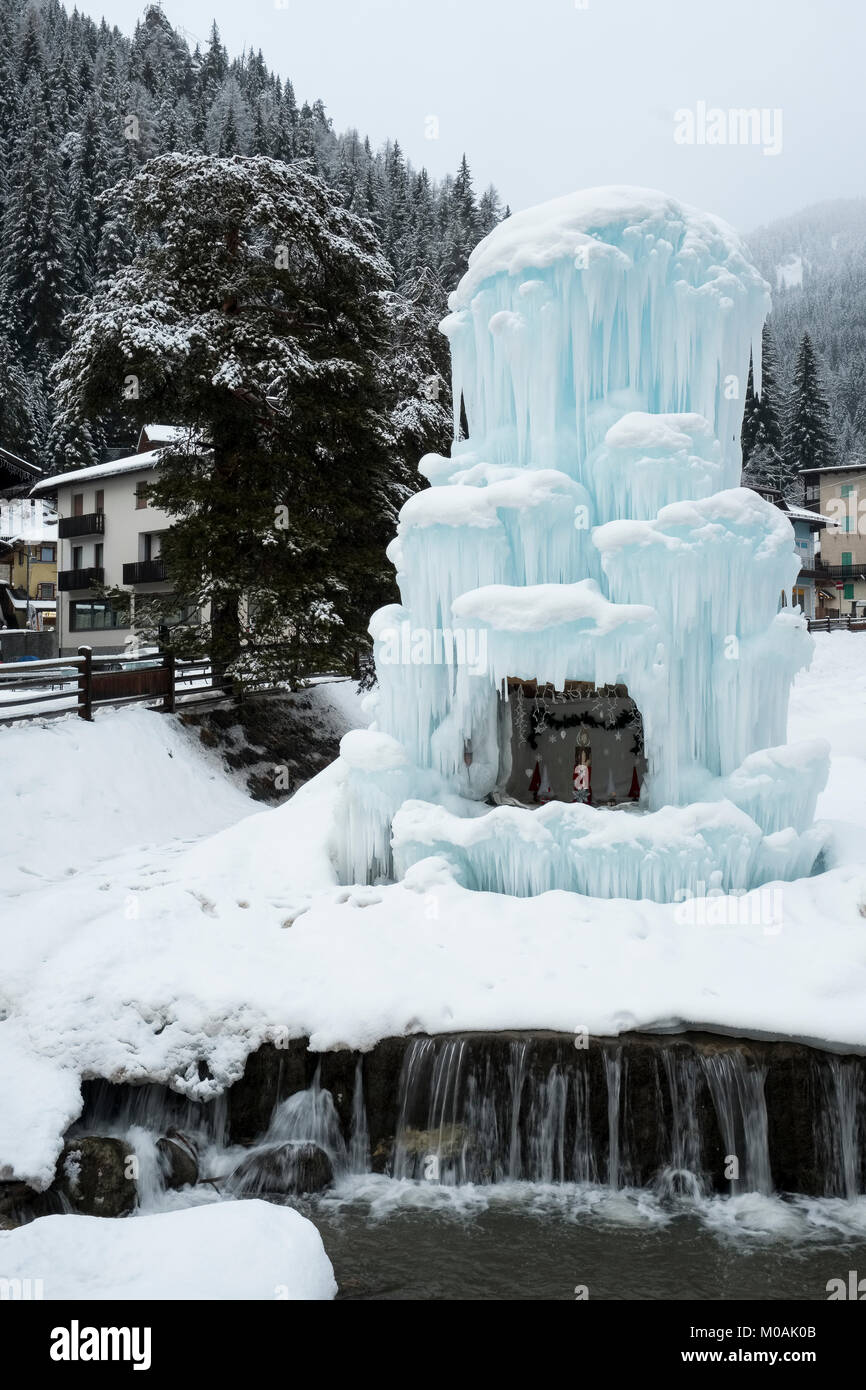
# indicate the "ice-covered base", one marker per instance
pixel 737 833
pixel 667 856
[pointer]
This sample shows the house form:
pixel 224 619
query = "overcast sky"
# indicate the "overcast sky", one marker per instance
pixel 546 96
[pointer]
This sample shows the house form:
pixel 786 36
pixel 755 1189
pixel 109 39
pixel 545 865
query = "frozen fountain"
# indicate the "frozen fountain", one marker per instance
pixel 586 683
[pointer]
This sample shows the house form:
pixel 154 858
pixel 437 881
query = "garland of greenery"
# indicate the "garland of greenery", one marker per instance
pixel 541 720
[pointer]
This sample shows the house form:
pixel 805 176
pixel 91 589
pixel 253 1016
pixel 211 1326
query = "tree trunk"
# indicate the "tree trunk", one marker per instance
pixel 225 637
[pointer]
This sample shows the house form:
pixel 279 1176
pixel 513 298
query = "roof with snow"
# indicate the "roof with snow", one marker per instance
pixel 163 434
pixel 136 463
pixel 804 514
pixel 16 470
pixel 834 468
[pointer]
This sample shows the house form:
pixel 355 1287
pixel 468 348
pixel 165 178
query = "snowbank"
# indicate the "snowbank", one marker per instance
pixel 76 793
pixel 229 1250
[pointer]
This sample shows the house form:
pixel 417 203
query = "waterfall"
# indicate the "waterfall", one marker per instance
pixel 140 1115
pixel 310 1116
pixel 517 1077
pixel 685 1122
pixel 841 1090
pixel 737 1089
pixel 685 1175
pixel 359 1137
pixel 681 1117
pixel 613 1076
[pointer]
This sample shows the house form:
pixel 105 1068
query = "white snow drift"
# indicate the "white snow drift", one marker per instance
pixel 228 1250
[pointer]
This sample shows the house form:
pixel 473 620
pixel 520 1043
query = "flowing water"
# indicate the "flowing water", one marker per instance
pixel 509 1179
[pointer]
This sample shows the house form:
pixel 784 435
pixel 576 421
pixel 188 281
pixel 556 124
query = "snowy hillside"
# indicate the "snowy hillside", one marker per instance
pixel 173 953
pixel 815 262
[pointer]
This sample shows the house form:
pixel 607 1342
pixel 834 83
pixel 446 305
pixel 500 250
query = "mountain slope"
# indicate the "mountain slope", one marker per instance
pixel 815 262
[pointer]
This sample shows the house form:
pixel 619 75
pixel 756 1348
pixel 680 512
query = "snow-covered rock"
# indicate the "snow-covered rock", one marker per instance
pixel 228 1250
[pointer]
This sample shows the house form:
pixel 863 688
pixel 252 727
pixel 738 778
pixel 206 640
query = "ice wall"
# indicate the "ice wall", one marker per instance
pixel 591 528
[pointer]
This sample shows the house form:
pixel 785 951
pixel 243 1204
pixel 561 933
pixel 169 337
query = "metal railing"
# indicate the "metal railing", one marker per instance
pixel 91 524
pixel 835 571
pixel 144 572
pixel 80 579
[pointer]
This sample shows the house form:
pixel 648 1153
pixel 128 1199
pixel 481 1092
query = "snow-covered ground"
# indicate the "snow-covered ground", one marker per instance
pixel 79 794
pixel 231 1250
pixel 156 952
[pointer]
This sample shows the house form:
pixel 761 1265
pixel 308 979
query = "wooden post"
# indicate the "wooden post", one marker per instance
pixel 85 684
pixel 168 702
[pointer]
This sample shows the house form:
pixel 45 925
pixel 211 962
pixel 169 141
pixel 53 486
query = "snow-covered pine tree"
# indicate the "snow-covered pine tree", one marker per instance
pixel 36 262
pixel 461 225
pixel 255 312
pixel 418 374
pixel 114 102
pixel 762 437
pixel 22 407
pixel 809 442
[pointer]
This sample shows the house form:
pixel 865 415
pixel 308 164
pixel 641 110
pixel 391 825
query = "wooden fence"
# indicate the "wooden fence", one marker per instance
pixel 83 683
pixel 847 624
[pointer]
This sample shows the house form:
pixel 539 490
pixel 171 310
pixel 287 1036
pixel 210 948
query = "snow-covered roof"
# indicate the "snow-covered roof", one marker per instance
pixel 804 514
pixel 164 434
pixel 20 465
pixel 834 468
pixel 135 463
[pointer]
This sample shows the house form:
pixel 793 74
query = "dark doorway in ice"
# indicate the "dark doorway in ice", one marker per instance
pixel 580 744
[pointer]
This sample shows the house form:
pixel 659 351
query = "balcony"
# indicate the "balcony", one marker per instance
pixel 144 572
pixel 93 524
pixel 821 572
pixel 80 579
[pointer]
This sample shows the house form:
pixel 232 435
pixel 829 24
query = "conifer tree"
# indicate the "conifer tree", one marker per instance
pixel 809 441
pixel 762 435
pixel 255 314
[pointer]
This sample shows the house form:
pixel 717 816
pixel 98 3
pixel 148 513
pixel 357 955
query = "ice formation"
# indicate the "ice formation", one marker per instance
pixel 586 683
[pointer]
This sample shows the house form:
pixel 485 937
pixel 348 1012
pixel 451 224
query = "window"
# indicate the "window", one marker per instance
pixel 846 557
pixel 847 489
pixel 848 591
pixel 78 557
pixel 78 504
pixel 93 616
pixel 45 591
pixel 848 526
pixel 46 554
pixel 140 499
pixel 151 545
pixel 99 505
pixel 97 555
